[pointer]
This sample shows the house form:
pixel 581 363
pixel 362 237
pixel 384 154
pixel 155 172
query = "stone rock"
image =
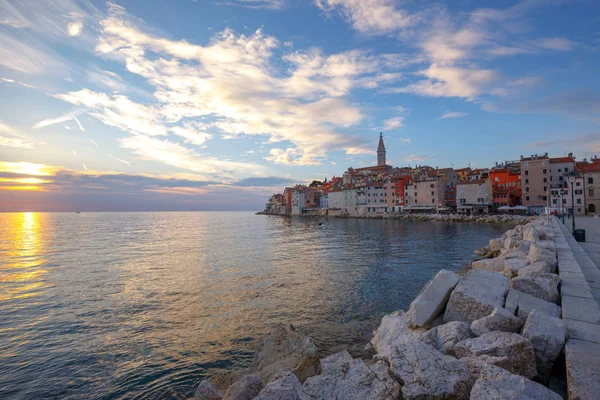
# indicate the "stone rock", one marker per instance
pixel 499 320
pixel 522 304
pixel 207 391
pixel 345 378
pixel 476 364
pixel 246 388
pixel 482 252
pixel 284 349
pixel 544 287
pixel 496 244
pixel 425 373
pixel 444 337
pixel 550 260
pixel 516 348
pixel 495 264
pixel 495 383
pixel 547 335
pixel 531 234
pixel 393 331
pixel 512 266
pixel 537 267
pixel 284 386
pixel 432 299
pixel 476 296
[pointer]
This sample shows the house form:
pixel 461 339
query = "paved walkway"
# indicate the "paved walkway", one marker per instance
pixel 580 298
pixel 591 247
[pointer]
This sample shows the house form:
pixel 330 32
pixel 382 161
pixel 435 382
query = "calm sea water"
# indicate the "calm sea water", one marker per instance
pixel 145 305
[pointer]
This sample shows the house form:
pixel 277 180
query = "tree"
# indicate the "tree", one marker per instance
pixel 315 183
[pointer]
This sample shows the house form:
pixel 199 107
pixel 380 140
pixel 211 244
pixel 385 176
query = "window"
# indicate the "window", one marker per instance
pixel 545 180
pixel 526 172
pixel 432 193
pixel 578 201
pixel 433 200
pixel 577 183
pixel 527 181
pixel 554 201
pixel 564 201
pixel 527 189
pixel 527 198
pixel 560 178
pixel 590 180
pixel 591 192
pixel 566 169
pixel 544 171
pixel 544 198
pixel 559 170
pixel 545 189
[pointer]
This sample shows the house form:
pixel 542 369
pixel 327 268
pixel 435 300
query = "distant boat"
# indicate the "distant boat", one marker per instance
pixel 78 212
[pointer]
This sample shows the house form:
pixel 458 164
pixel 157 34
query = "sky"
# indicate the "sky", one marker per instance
pixel 214 105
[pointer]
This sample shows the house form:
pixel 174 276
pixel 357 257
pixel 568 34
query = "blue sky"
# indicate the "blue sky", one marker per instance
pixel 195 104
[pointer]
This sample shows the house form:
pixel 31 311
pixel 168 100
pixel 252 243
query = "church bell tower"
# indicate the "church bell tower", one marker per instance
pixel 381 151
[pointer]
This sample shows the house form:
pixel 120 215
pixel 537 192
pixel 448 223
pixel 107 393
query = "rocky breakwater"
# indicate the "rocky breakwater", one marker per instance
pixel 494 333
pixel 481 218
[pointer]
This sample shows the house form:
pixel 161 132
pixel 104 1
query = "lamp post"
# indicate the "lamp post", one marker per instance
pixel 572 177
pixel 562 208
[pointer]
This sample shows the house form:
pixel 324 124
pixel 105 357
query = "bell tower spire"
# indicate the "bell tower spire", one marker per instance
pixel 381 151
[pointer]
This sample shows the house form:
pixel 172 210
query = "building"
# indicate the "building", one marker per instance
pixel 380 196
pixel 560 167
pixel 535 182
pixel 335 199
pixel 429 195
pixel 463 173
pixel 590 172
pixel 474 196
pixel 400 183
pixel 506 187
pixel 298 202
pixel 381 151
pixel 561 199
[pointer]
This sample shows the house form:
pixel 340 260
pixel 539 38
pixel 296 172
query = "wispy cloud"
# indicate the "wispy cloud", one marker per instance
pixel 57 120
pixel 393 123
pixel 453 114
pixel 7 80
pixel 11 137
pixel 406 140
pixel 268 4
pixel 416 158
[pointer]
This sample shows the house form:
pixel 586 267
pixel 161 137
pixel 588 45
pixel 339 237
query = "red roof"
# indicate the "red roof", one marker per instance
pixel 588 167
pixel 562 160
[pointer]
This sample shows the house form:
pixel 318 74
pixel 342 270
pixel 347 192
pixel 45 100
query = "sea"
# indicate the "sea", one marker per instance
pixel 146 305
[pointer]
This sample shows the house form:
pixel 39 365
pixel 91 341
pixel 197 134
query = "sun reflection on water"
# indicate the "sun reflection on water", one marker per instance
pixel 22 257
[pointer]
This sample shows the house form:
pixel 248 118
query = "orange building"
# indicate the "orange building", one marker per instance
pixel 506 187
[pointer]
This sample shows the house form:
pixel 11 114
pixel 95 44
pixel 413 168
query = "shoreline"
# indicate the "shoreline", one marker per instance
pixel 494 325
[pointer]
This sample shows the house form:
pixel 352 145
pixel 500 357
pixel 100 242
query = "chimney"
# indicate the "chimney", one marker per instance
pixel 546 154
pixel 570 155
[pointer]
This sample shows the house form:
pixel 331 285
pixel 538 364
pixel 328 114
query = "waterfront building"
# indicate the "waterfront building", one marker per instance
pixel 535 183
pixel 506 186
pixel 336 199
pixel 380 195
pixel 561 199
pixel 474 196
pixel 429 195
pixel 463 173
pixel 590 172
pixel 298 202
pixel 323 201
pixel 398 195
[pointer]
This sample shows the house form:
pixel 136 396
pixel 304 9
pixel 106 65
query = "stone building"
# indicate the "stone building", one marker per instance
pixel 590 172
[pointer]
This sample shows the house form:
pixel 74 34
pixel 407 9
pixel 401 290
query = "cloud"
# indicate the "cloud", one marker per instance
pixel 11 137
pixel 75 28
pixel 393 123
pixel 581 144
pixel 369 16
pixel 453 114
pixel 579 104
pixel 416 158
pixel 264 181
pixel 556 43
pixel 406 140
pixel 51 121
pixel 268 4
pixel 17 83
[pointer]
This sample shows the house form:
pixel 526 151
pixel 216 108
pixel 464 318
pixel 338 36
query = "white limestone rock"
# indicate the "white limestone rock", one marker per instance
pixel 476 363
pixel 444 337
pixel 542 286
pixel 495 383
pixel 547 335
pixel 207 391
pixel 476 296
pixel 432 299
pixel 425 373
pixel 537 267
pixel 516 348
pixel 345 378
pixel 499 320
pixel 392 331
pixel 246 388
pixel 495 264
pixel 284 386
pixel 496 244
pixel 548 259
pixel 522 304
pixel 284 349
pixel 531 234
pixel 512 266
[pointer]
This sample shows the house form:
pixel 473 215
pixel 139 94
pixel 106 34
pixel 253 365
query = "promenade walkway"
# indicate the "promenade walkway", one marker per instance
pixel 580 284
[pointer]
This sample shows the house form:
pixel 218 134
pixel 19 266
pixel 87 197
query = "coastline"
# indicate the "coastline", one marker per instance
pixel 496 324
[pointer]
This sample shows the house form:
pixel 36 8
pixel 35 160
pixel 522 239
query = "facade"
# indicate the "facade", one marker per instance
pixel 380 196
pixel 463 173
pixel 335 199
pixel 324 201
pixel 429 194
pixel 298 202
pixel 474 196
pixel 590 172
pixel 535 182
pixel 562 201
pixel 506 187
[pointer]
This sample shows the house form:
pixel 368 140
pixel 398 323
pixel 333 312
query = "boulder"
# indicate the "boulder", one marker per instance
pixel 444 337
pixel 432 299
pixel 207 391
pixel 246 388
pixel 537 267
pixel 284 386
pixel 345 378
pixel 522 304
pixel 531 234
pixel 495 383
pixel 499 320
pixel 284 349
pixel 542 286
pixel 392 331
pixel 547 335
pixel 512 266
pixel 548 259
pixel 425 373
pixel 496 244
pixel 476 296
pixel 515 348
pixel 495 264
pixel 476 364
